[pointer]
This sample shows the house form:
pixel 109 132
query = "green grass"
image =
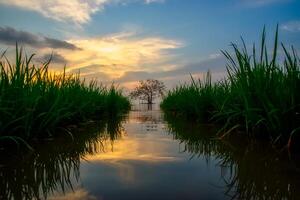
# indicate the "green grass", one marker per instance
pixel 259 97
pixel 35 103
pixel 196 101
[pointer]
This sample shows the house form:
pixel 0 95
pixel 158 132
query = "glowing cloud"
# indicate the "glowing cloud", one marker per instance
pixel 113 55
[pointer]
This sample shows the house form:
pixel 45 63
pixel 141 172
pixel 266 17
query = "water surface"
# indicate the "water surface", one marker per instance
pixel 146 155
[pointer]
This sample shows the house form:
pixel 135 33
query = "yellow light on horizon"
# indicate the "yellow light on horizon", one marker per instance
pixel 116 54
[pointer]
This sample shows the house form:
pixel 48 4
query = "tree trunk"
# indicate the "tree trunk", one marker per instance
pixel 149 99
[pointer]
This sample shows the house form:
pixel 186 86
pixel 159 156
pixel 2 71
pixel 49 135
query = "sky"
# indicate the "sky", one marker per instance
pixel 124 41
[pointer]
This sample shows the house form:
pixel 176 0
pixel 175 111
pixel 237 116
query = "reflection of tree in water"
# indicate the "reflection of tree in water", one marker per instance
pixel 150 120
pixel 249 170
pixel 54 165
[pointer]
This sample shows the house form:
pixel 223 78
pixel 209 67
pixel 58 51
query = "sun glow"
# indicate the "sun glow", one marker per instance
pixel 116 54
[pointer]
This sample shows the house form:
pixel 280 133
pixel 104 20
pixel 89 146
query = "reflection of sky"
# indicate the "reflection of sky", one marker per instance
pixel 133 179
pixel 140 142
pixel 148 164
pixel 77 194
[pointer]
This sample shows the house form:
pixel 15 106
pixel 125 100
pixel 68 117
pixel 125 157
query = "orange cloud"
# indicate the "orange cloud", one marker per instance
pixel 113 55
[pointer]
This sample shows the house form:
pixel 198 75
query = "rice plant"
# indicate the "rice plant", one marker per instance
pixel 259 97
pixel 196 101
pixel 264 95
pixel 35 103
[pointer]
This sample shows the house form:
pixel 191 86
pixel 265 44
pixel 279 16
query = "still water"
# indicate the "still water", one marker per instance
pixel 145 155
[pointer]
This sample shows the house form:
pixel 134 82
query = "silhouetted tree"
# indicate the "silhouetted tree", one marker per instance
pixel 148 90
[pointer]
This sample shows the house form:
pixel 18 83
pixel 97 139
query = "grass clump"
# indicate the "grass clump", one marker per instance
pixel 260 95
pixel 35 103
pixel 196 101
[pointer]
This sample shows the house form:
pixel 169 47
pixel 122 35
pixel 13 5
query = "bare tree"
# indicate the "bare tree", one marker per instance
pixel 148 90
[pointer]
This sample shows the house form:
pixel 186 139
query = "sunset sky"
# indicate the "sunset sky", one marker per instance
pixel 124 41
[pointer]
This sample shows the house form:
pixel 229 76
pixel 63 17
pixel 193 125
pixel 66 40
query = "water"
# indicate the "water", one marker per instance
pixel 145 157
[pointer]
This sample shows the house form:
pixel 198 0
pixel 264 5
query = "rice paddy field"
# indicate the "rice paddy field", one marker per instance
pixel 259 97
pixel 38 104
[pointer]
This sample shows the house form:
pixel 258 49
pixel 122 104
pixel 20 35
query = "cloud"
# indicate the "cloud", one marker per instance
pixel 115 54
pixel 258 3
pixel 104 58
pixel 154 1
pixel 55 58
pixel 215 56
pixel 291 26
pixel 10 36
pixel 76 11
pixel 213 63
pixel 123 59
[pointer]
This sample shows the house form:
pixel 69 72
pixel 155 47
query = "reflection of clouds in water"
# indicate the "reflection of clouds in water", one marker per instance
pixel 125 171
pixel 138 146
pixel 134 148
pixel 143 162
pixel 77 194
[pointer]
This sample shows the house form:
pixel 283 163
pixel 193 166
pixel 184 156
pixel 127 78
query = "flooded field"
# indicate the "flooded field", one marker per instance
pixel 147 156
